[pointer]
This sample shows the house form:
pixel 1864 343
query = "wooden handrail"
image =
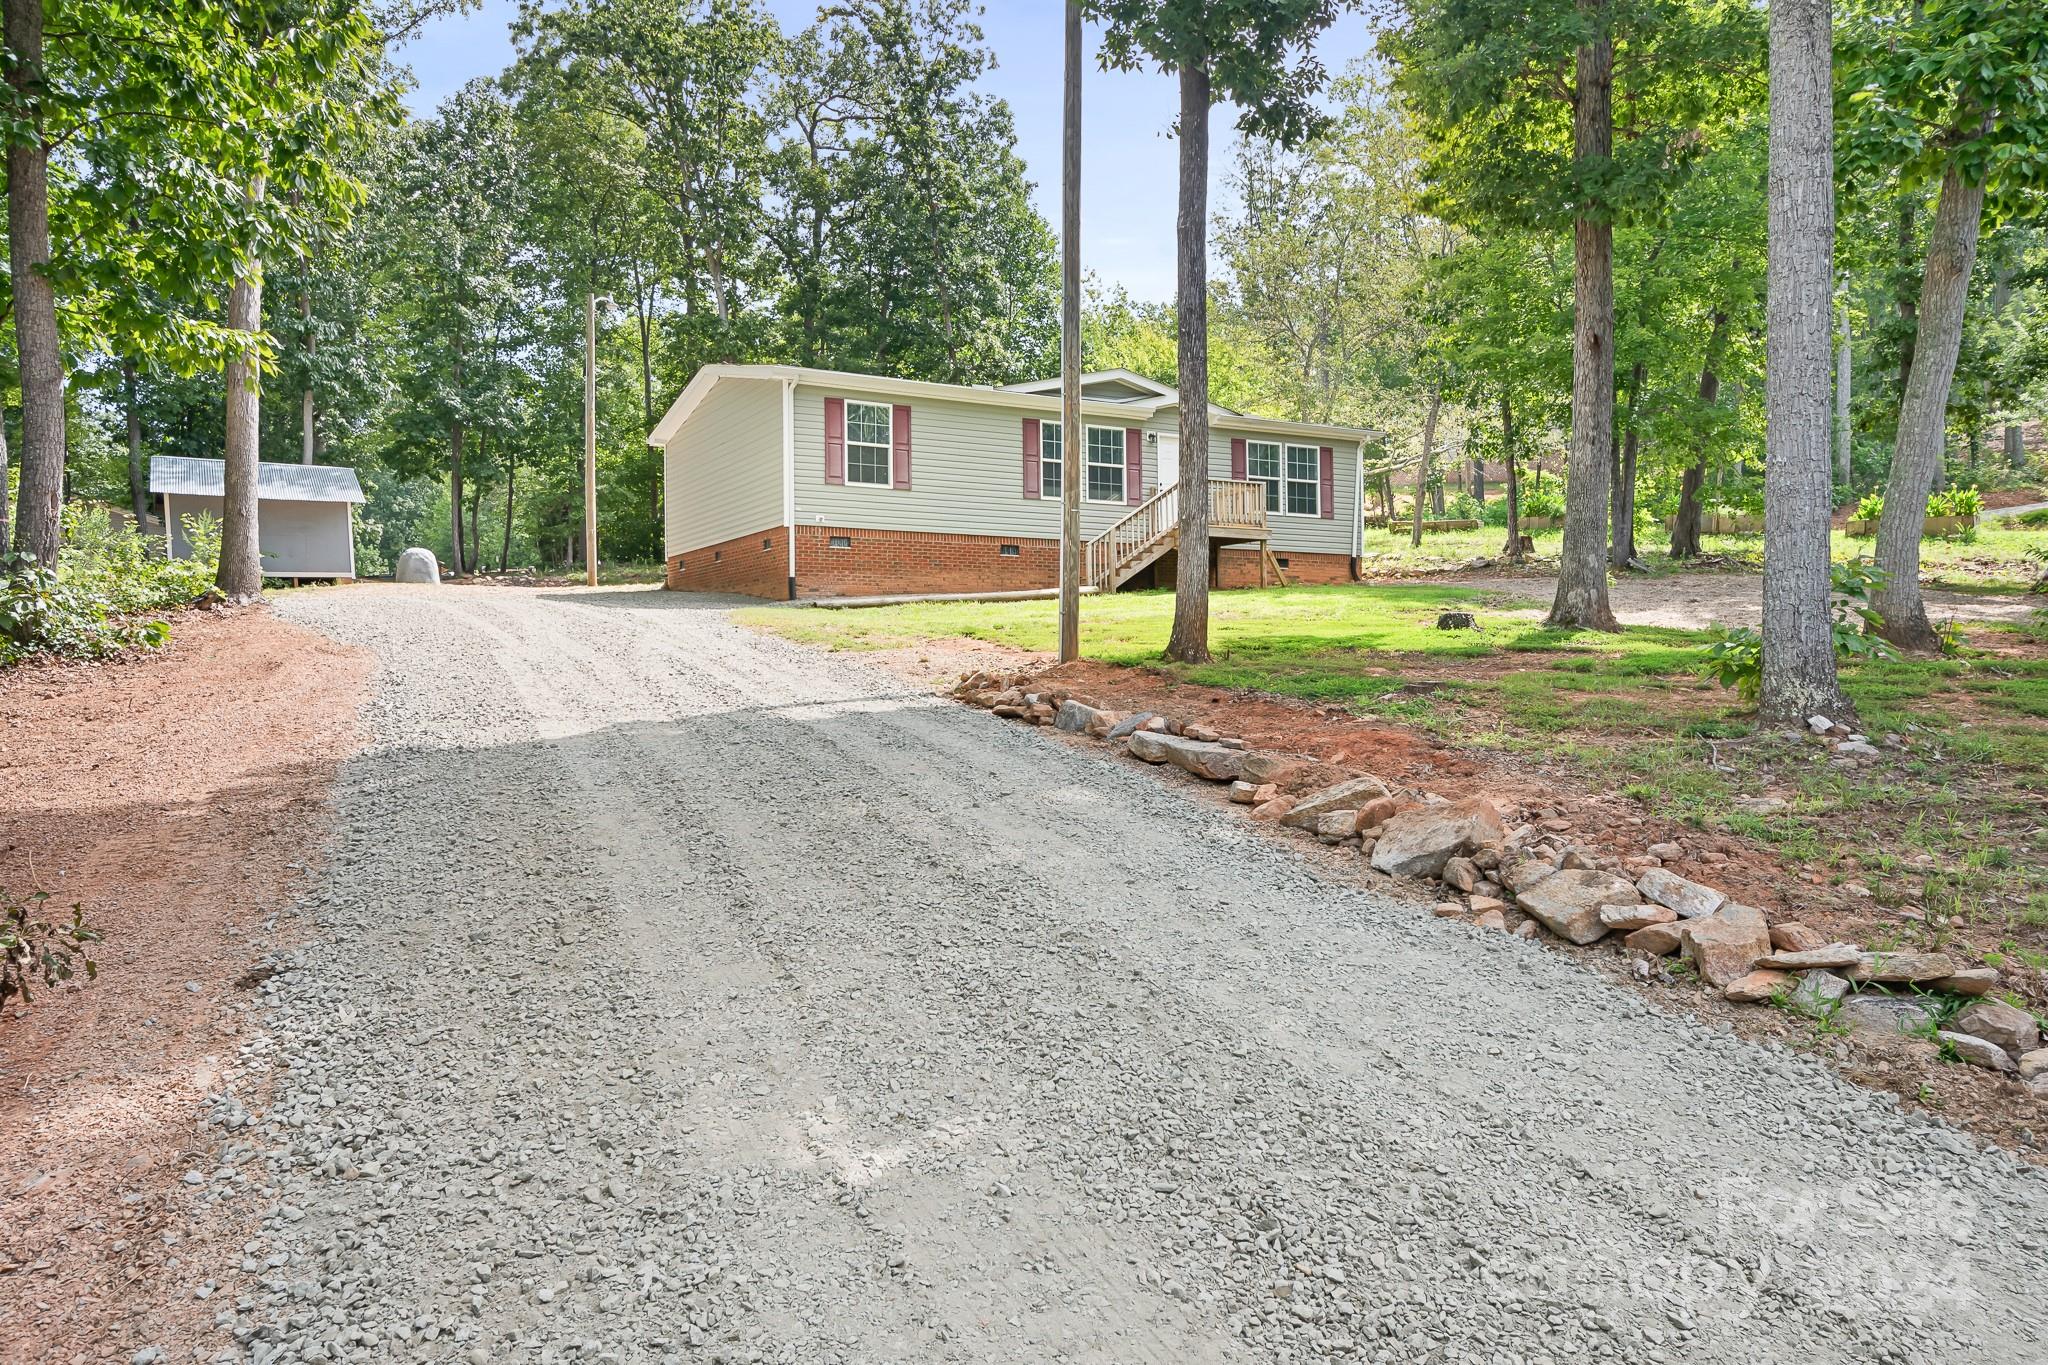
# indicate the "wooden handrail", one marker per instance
pixel 1239 504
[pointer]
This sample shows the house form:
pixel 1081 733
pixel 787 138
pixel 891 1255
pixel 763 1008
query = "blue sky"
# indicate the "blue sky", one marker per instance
pixel 1127 159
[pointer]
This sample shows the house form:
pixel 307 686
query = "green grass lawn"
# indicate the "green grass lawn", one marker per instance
pixel 1993 558
pixel 1629 711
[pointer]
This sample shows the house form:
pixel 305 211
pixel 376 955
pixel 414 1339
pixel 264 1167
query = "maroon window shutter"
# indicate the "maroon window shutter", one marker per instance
pixel 1329 483
pixel 1030 457
pixel 1134 465
pixel 835 440
pixel 1237 457
pixel 899 428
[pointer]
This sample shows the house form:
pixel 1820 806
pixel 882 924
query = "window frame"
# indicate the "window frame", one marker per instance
pixel 1276 484
pixel 1314 483
pixel 888 444
pixel 1123 467
pixel 1058 463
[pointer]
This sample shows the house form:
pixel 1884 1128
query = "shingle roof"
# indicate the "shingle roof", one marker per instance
pixel 187 475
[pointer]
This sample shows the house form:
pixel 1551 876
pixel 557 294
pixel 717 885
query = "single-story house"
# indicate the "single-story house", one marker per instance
pixel 305 513
pixel 788 482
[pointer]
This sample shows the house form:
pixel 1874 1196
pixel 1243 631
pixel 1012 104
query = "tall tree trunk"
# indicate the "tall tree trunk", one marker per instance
pixel 1844 386
pixel 476 510
pixel 2014 440
pixel 1906 294
pixel 1581 602
pixel 455 497
pixel 240 576
pixel 1436 403
pixel 6 522
pixel 1479 479
pixel 1622 496
pixel 505 549
pixel 1189 642
pixel 37 525
pixel 2015 449
pixel 1923 414
pixel 1798 639
pixel 1685 526
pixel 138 491
pixel 1513 489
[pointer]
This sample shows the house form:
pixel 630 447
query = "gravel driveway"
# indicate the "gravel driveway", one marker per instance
pixel 687 995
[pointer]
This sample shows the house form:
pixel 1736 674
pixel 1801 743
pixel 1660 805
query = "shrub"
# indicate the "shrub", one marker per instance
pixel 130 573
pixel 41 613
pixel 1955 502
pixel 1463 507
pixel 1871 508
pixel 1737 661
pixel 32 948
pixel 1546 501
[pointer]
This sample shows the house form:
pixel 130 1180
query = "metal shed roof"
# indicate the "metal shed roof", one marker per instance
pixel 186 475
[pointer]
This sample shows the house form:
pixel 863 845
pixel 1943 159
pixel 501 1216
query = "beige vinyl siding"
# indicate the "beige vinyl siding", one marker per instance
pixel 722 474
pixel 966 472
pixel 1308 534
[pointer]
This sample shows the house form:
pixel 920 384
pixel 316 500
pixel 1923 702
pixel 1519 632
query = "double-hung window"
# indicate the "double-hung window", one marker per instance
pixel 1051 469
pixel 1304 481
pixel 1262 462
pixel 1105 464
pixel 867 443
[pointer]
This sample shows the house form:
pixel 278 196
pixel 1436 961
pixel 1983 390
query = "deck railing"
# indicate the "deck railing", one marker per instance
pixel 1234 505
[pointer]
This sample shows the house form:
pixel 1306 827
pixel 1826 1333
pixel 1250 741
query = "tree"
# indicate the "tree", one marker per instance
pixel 1516 101
pixel 1942 92
pixel 1799 678
pixel 1258 57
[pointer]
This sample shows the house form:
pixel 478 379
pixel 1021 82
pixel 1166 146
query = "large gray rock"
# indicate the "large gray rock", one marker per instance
pixel 1200 757
pixel 1074 717
pixel 416 566
pixel 1885 1013
pixel 1344 796
pixel 1417 842
pixel 1568 902
pixel 1688 898
pixel 1976 1051
pixel 1129 724
pixel 1902 968
pixel 1999 1024
pixel 1816 993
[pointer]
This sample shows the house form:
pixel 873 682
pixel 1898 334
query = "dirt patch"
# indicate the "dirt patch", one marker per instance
pixel 176 796
pixel 1603 821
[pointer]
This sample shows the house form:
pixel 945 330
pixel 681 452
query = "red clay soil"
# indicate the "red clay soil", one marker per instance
pixel 176 796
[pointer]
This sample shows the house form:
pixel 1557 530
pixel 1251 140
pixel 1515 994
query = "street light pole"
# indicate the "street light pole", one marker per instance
pixel 590 436
pixel 1073 454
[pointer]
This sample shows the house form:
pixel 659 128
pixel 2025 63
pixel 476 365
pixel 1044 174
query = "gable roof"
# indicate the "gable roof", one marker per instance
pixel 1024 398
pixel 1134 383
pixel 191 476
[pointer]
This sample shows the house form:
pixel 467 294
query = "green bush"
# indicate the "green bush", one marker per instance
pixel 1955 502
pixel 1871 507
pixel 1464 507
pixel 1737 661
pixel 32 948
pixel 104 591
pixel 1547 501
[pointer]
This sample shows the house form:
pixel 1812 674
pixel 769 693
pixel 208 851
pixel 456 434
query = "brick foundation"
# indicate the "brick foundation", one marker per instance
pixel 1239 568
pixel 756 565
pixel 876 563
pixel 886 563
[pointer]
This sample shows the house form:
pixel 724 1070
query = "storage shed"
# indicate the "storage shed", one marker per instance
pixel 305 519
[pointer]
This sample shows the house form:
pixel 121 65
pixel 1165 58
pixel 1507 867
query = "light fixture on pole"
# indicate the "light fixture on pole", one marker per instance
pixel 590 436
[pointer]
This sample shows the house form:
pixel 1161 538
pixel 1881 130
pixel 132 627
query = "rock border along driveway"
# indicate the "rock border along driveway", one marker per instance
pixel 683 994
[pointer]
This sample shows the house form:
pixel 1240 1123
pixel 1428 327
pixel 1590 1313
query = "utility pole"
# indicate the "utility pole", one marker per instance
pixel 590 436
pixel 1073 464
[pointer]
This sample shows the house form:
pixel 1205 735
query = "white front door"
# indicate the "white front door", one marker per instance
pixel 1166 468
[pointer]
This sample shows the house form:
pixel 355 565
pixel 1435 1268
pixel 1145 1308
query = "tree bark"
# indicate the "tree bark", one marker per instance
pixel 505 550
pixel 1189 642
pixel 1799 677
pixel 1513 488
pixel 240 576
pixel 1905 294
pixel 1479 479
pixel 1622 497
pixel 1923 413
pixel 1436 403
pixel 1581 602
pixel 1844 386
pixel 1685 526
pixel 138 491
pixel 37 524
pixel 6 523
pixel 455 497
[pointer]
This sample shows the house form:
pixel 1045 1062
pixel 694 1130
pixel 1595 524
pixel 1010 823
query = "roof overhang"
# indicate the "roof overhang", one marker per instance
pixel 193 476
pixel 1019 399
